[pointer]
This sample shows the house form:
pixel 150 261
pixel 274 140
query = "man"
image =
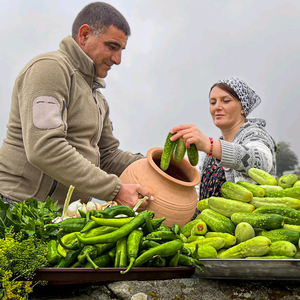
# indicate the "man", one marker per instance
pixel 59 132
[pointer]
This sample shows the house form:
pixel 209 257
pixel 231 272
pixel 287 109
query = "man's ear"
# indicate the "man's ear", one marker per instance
pixel 84 33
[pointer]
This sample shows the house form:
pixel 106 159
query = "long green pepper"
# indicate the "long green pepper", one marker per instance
pixel 121 253
pixel 133 244
pixel 164 250
pixel 113 237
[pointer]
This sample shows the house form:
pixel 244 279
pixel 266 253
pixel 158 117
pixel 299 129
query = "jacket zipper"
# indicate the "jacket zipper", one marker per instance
pixel 62 113
pixel 53 187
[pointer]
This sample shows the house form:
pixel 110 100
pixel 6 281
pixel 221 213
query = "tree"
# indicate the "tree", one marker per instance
pixel 286 159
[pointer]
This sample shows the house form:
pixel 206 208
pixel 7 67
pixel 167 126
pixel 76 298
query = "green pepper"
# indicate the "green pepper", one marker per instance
pixel 156 223
pixel 115 222
pixel 148 227
pixel 121 253
pixel 146 244
pixel 163 227
pixel 175 229
pixel 101 248
pixel 174 260
pixel 73 245
pixel 101 261
pixel 114 236
pixel 162 236
pixel 164 250
pixel 72 224
pixel 133 243
pixel 82 213
pixel 112 253
pixel 53 256
pixel 88 253
pixel 99 231
pixel 114 211
pixel 189 261
pixel 158 261
pixel 89 226
pixel 70 259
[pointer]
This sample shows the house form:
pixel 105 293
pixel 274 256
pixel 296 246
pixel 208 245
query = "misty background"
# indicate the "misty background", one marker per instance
pixel 177 50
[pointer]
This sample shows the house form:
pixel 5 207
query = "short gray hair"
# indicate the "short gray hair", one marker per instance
pixel 99 16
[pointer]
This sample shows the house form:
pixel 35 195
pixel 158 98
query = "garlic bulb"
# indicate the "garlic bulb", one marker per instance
pixel 73 207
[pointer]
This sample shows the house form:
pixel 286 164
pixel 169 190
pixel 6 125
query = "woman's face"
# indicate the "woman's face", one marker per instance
pixel 226 111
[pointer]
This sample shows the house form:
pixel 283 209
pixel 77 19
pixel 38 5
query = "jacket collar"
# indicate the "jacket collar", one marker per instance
pixel 79 59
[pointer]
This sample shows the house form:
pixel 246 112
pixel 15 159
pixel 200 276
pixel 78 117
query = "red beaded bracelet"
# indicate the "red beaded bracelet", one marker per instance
pixel 211 147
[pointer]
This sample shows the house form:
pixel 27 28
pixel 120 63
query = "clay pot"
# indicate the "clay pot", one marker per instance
pixel 174 190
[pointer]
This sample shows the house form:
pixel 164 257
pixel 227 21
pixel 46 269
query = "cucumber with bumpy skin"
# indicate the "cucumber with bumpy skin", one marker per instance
pixel 255 189
pixel 282 235
pixel 262 177
pixel 179 150
pixel 293 192
pixel 193 155
pixel 287 181
pixel 167 152
pixel 234 191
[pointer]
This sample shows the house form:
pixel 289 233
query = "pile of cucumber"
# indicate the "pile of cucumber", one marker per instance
pixel 253 220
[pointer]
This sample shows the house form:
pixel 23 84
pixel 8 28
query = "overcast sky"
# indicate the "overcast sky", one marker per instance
pixel 178 49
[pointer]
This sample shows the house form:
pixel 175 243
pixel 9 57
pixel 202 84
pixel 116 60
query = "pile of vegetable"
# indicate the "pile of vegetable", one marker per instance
pixel 253 220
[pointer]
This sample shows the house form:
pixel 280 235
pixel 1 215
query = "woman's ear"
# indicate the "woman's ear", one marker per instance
pixel 242 112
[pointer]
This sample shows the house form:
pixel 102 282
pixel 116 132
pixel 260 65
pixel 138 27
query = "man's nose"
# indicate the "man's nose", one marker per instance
pixel 116 58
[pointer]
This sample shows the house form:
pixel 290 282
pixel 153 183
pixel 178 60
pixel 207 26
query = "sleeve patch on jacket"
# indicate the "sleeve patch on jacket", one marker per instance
pixel 46 113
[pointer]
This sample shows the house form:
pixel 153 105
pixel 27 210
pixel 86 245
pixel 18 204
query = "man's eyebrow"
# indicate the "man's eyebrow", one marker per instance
pixel 113 43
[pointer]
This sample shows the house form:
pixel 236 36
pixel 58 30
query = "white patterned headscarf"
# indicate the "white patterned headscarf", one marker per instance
pixel 248 97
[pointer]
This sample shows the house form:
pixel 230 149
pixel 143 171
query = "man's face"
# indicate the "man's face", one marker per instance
pixel 105 50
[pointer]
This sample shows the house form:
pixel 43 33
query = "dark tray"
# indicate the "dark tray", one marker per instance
pixel 250 269
pixel 59 276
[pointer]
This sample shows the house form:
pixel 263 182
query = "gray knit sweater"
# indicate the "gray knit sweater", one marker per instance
pixel 252 147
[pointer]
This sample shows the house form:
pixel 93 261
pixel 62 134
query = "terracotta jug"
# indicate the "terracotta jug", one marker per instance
pixel 174 190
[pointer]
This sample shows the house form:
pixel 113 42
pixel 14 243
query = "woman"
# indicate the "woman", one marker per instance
pixel 244 143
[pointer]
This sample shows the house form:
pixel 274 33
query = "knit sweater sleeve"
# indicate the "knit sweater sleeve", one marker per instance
pixel 252 147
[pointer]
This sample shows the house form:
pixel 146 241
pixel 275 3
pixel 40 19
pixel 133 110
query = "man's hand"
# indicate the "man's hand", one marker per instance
pixel 131 194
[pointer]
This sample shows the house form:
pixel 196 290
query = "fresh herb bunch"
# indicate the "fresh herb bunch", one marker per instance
pixel 19 259
pixel 30 218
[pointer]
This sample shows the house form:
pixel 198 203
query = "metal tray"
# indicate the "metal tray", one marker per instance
pixel 250 269
pixel 59 276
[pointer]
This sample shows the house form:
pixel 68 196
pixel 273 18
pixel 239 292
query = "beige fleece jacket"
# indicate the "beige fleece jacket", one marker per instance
pixel 59 132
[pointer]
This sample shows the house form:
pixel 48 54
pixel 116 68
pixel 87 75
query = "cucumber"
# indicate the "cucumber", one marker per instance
pixel 194 238
pixel 234 191
pixel 204 251
pixel 217 222
pixel 290 215
pixel 193 155
pixel 287 181
pixel 258 246
pixel 216 242
pixel 199 229
pixel 227 207
pixel 272 201
pixel 271 188
pixel 291 227
pixel 230 239
pixel 262 177
pixel 203 204
pixel 179 150
pixel 167 152
pixel 255 189
pixel 268 257
pixel 186 230
pixel 264 221
pixel 283 248
pixel 293 192
pixel 244 232
pixel 297 183
pixel 282 235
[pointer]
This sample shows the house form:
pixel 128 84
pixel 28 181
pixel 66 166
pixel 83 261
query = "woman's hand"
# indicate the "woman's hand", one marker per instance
pixel 191 135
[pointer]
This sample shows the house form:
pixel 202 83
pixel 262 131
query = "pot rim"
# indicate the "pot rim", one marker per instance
pixel 183 165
